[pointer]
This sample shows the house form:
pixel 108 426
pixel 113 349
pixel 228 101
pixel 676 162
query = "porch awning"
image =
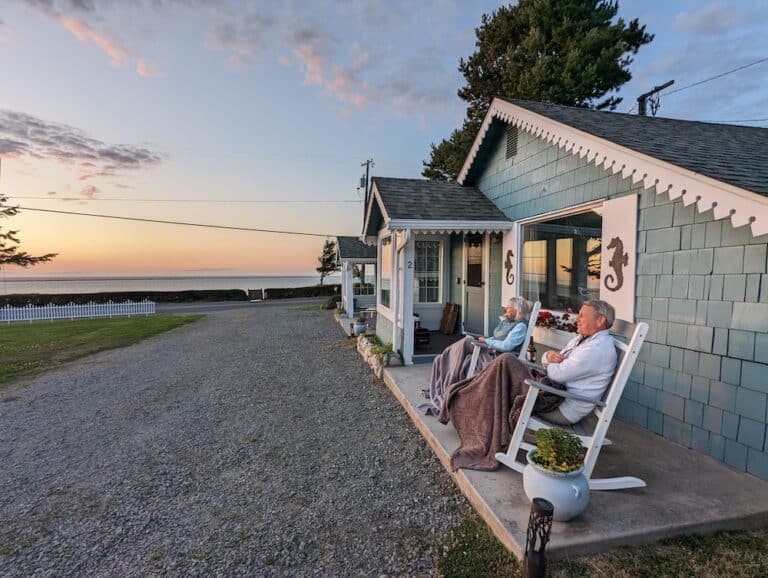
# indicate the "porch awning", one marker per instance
pixel 445 226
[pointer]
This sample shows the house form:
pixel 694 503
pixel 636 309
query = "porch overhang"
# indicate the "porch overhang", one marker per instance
pixel 444 227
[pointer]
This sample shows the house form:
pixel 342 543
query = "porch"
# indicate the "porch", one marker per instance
pixel 687 492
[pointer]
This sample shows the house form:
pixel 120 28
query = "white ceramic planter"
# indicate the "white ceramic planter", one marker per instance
pixel 360 328
pixel 568 493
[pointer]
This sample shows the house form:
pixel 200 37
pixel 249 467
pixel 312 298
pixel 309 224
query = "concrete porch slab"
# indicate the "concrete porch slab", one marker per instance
pixel 687 492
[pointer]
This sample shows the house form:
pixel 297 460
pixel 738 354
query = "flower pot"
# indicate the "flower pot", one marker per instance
pixel 568 493
pixel 360 328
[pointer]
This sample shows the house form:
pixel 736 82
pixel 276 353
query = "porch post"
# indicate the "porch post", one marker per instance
pixel 349 291
pixel 395 293
pixel 409 261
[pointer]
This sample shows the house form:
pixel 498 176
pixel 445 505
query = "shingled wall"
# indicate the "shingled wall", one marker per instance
pixel 702 286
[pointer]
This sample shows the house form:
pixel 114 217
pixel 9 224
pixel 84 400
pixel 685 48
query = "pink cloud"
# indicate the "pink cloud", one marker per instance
pixel 85 33
pixel 89 192
pixel 147 70
pixel 344 86
pixel 312 62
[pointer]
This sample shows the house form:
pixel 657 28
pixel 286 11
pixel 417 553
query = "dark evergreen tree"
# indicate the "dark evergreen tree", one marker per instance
pixel 9 243
pixel 328 261
pixel 571 52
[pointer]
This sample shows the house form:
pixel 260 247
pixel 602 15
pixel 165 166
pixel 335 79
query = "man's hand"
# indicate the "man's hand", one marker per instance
pixel 481 339
pixel 555 357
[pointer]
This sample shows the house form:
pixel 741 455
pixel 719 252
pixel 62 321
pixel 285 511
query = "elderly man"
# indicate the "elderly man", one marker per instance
pixel 587 363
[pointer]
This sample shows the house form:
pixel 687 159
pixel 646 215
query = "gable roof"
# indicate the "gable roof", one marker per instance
pixel 419 203
pixel 718 166
pixel 352 248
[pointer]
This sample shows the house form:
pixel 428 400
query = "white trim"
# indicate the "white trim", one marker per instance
pixel 353 260
pixel 741 205
pixel 441 294
pixel 374 194
pixel 486 281
pixel 446 226
pixel 572 210
pixel 380 307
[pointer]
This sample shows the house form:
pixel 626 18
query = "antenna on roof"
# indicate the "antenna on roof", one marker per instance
pixel 641 100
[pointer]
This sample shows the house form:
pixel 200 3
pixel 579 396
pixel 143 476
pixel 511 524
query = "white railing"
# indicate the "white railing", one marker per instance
pixel 31 313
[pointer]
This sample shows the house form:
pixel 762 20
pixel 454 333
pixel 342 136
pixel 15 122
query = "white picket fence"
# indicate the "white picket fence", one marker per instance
pixel 30 313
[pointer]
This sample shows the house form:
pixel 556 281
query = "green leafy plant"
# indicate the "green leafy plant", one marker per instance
pixel 360 319
pixel 340 310
pixel 557 451
pixel 381 350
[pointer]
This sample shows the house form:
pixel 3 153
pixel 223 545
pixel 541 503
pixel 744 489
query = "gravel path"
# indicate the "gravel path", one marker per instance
pixel 254 442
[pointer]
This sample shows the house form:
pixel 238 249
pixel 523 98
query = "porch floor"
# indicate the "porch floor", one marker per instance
pixel 686 491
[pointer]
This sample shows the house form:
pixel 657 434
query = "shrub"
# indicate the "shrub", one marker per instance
pixel 381 349
pixel 557 451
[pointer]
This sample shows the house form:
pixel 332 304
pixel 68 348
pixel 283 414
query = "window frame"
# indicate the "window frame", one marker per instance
pixel 550 216
pixel 440 272
pixel 386 242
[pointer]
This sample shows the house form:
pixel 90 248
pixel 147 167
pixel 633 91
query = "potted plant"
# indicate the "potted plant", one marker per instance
pixel 360 325
pixel 382 351
pixel 555 472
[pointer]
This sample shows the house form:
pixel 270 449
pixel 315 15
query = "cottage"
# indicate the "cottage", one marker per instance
pixel 358 274
pixel 665 219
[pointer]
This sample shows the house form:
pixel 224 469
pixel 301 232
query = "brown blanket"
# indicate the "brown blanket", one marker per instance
pixel 485 409
pixel 448 368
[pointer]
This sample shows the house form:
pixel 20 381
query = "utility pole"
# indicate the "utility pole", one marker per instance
pixel 364 182
pixel 641 100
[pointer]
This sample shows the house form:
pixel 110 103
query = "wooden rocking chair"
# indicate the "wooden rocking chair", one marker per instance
pixel 604 410
pixel 523 348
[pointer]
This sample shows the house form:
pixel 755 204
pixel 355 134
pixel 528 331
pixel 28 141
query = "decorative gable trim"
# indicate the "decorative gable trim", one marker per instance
pixel 375 197
pixel 742 206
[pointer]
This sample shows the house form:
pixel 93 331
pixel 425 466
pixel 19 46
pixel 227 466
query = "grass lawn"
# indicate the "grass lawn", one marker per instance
pixel 29 348
pixel 476 552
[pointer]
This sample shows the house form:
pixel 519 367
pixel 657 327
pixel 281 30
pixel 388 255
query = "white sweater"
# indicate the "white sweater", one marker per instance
pixel 587 370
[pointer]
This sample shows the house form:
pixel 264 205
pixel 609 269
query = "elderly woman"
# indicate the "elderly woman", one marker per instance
pixel 452 364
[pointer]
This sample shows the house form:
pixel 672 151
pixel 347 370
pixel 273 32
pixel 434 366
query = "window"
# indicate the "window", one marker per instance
pixel 364 279
pixel 386 271
pixel 426 275
pixel 561 260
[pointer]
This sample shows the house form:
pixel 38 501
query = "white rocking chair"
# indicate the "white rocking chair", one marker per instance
pixel 523 348
pixel 604 410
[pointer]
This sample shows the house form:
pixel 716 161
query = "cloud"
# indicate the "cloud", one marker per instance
pixel 717 18
pixel 89 192
pixel 85 33
pixel 147 70
pixel 312 49
pixel 81 29
pixel 5 32
pixel 244 37
pixel 23 135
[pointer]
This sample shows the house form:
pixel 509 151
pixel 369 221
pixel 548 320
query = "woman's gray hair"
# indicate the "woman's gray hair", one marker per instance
pixel 523 307
pixel 602 308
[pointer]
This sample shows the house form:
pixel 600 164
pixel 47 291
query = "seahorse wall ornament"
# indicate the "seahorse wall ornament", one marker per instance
pixel 618 261
pixel 508 264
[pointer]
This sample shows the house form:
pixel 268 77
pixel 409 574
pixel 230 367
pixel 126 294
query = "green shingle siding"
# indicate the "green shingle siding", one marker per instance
pixel 701 285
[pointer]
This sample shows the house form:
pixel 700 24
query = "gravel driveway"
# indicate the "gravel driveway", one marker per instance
pixel 253 442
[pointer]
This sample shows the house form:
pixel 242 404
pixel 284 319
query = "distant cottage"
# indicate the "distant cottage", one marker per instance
pixel 665 219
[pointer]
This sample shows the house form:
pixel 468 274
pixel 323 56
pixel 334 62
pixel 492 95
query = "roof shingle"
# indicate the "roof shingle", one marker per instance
pixel 420 199
pixel 733 154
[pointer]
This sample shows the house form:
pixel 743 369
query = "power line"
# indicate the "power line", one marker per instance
pixel 140 200
pixel 727 72
pixel 186 224
pixel 739 120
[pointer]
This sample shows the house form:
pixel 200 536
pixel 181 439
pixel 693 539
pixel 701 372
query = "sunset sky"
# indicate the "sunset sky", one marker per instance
pixel 168 109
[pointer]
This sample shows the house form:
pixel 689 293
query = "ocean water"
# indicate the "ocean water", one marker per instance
pixel 48 285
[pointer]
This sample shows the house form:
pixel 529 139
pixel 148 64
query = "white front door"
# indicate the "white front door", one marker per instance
pixel 474 299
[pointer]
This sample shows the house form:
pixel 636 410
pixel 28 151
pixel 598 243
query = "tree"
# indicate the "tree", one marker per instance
pixel 568 52
pixel 328 262
pixel 9 243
